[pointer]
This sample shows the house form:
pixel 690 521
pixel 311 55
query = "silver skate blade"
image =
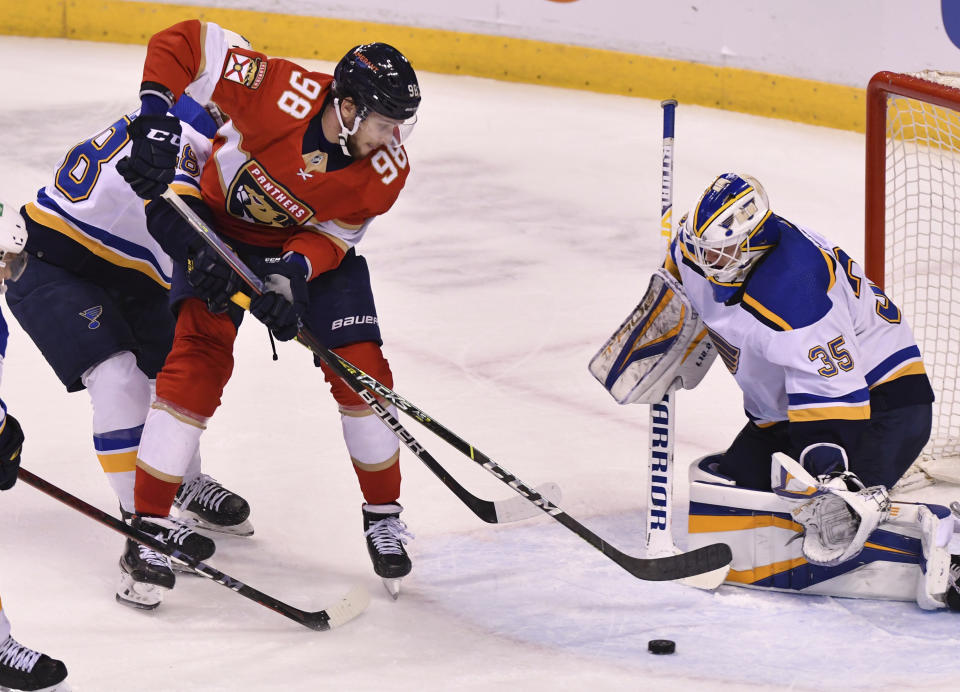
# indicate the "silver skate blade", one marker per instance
pixel 393 587
pixel 244 528
pixel 138 595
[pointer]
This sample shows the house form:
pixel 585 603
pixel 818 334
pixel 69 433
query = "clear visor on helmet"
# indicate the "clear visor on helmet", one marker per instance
pixel 12 265
pixel 388 130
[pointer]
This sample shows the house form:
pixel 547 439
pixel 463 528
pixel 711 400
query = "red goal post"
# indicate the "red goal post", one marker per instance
pixel 912 233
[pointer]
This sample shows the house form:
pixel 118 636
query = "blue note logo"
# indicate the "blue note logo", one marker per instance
pixel 729 354
pixel 93 315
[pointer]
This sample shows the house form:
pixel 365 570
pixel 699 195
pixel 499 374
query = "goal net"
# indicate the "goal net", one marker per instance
pixel 913 235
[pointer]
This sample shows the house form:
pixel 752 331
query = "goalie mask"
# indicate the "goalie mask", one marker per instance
pixel 725 232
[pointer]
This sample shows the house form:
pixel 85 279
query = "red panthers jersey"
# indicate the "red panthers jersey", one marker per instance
pixel 260 183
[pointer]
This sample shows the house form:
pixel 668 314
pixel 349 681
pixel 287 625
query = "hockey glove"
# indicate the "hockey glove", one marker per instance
pixel 152 161
pixel 11 441
pixel 284 299
pixel 212 278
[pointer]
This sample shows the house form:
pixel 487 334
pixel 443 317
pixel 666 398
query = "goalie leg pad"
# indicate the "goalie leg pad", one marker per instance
pixel 661 343
pixel 763 535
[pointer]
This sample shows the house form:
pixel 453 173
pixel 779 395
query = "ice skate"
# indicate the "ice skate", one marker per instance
pixel 213 507
pixel 22 668
pixel 178 534
pixel 386 534
pixel 145 575
pixel 952 597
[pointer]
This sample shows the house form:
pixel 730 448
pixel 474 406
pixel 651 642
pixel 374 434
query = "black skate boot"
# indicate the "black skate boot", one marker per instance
pixel 953 590
pixel 213 507
pixel 145 574
pixel 22 668
pixel 179 534
pixel 386 534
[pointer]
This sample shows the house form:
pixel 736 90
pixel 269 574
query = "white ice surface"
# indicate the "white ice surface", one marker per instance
pixel 527 231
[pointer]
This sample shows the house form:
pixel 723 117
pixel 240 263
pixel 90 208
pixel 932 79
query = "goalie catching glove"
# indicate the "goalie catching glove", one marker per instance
pixel 839 515
pixel 663 344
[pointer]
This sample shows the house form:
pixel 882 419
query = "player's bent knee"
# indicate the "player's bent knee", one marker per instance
pixel 367 356
pixel 372 445
pixel 119 392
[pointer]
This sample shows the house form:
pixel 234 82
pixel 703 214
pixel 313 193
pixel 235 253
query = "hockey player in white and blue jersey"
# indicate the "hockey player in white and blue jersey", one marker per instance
pixel 21 668
pixel 839 406
pixel 94 299
pixel 829 369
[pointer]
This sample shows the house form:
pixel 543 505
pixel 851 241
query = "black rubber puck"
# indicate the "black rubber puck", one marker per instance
pixel 661 646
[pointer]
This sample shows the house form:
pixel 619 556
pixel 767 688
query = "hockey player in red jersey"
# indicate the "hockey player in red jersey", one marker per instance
pixel 304 164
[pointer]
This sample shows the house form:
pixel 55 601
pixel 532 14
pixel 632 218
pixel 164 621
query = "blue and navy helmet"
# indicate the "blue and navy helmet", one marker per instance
pixel 379 79
pixel 724 232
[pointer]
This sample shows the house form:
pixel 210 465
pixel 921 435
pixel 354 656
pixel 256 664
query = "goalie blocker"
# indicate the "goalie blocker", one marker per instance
pixel 908 555
pixel 663 345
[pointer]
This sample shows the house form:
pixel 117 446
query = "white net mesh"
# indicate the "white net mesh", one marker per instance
pixel 922 246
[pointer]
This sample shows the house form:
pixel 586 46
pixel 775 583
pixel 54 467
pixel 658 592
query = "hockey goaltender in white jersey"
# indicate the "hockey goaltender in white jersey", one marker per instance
pixel 837 399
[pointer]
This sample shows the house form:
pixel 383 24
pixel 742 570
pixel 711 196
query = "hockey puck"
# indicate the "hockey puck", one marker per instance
pixel 661 646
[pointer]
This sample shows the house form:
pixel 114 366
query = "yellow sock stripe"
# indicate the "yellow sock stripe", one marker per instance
pixel 119 462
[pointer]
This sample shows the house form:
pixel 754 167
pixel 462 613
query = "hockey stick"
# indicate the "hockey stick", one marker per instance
pixel 491 511
pixel 659 517
pixel 667 568
pixel 349 607
pixel 660 461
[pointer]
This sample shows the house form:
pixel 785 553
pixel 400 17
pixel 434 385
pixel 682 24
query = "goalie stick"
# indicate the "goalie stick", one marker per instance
pixel 705 559
pixel 349 607
pixel 661 469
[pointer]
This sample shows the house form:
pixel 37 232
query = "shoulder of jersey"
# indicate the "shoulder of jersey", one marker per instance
pixel 788 290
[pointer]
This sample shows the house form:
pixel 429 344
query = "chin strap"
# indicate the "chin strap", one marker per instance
pixel 345 134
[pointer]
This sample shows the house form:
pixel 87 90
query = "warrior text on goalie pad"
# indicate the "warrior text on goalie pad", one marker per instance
pixel 662 343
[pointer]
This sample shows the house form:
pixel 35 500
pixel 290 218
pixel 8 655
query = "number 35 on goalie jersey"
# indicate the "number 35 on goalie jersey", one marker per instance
pixel 810 336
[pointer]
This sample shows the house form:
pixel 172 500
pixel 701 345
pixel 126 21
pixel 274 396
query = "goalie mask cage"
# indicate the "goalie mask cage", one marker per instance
pixel 913 233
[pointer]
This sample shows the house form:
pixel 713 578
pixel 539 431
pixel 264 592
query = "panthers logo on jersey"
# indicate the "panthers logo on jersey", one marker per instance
pixel 257 198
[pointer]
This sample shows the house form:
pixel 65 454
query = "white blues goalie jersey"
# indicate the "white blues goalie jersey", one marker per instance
pixel 808 338
pixel 90 211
